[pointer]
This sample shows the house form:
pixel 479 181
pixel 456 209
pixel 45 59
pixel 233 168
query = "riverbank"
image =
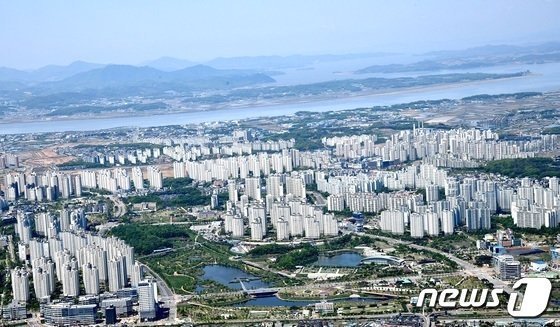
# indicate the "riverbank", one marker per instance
pixel 256 105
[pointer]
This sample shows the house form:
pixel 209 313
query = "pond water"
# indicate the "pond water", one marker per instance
pixel 344 259
pixel 229 277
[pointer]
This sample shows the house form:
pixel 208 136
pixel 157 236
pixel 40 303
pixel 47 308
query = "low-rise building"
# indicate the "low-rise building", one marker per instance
pixel 14 311
pixel 66 314
pixel 506 267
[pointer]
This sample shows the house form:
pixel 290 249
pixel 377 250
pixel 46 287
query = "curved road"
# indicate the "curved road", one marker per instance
pixel 171 299
pixel 121 208
pixel 468 267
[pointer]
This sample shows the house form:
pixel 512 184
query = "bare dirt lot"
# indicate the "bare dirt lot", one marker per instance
pixel 45 157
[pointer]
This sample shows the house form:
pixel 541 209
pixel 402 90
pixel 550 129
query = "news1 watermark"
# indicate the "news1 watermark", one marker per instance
pixel 533 300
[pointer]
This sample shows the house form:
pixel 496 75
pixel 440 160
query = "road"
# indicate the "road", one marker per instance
pixel 467 267
pixel 120 207
pixel 266 268
pixel 492 316
pixel 266 321
pixel 319 198
pixel 171 299
pixel 326 284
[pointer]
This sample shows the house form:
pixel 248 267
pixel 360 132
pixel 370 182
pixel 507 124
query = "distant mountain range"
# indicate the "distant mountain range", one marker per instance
pixel 196 78
pixel 81 76
pixel 497 50
pixel 259 63
pixel 169 64
pixel 234 65
pixel 47 73
pixel 486 56
pixel 280 62
pixel 173 74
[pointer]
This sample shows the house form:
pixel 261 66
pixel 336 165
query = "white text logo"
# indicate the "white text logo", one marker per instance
pixel 534 299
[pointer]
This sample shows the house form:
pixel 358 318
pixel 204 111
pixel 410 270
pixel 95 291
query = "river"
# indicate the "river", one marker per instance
pixel 545 77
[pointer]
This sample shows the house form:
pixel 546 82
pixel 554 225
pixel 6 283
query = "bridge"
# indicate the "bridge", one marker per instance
pixel 258 292
pixel 382 259
pixel 352 285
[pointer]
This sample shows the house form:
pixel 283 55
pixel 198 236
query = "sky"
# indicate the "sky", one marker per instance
pixel 35 33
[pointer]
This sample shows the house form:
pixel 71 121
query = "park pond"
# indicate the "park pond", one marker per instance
pixel 230 276
pixel 341 259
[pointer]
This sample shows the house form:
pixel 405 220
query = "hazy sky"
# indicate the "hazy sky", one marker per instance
pixel 36 33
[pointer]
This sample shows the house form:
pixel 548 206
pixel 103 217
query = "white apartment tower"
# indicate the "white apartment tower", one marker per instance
pixel 179 169
pixel 20 285
pixel 24 226
pixel 431 223
pixel 116 274
pixel 311 227
pixel 70 281
pixel 155 177
pixel 447 222
pixel 274 186
pixel 253 188
pixel 256 230
pixel 41 283
pixel 237 227
pixel 282 229
pixel 137 274
pixel 91 279
pixel 416 225
pixel 137 178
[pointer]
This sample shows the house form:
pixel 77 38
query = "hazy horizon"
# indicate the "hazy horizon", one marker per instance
pixel 133 32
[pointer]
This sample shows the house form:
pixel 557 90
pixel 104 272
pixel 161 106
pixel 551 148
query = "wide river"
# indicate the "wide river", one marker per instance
pixel 545 77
